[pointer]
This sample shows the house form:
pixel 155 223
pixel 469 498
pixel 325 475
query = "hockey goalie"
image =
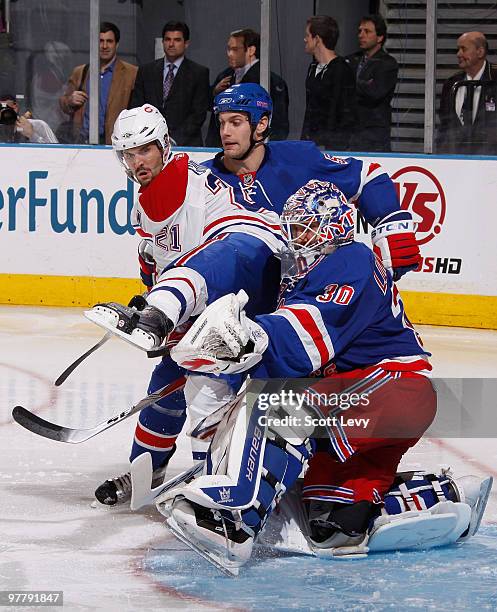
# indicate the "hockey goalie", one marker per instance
pixel 340 320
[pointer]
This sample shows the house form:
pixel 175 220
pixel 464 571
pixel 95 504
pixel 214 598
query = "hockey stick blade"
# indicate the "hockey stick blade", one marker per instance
pixel 68 371
pixel 52 431
pixel 142 493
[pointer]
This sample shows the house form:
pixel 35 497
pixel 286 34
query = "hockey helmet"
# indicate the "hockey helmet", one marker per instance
pixel 317 218
pixel 248 98
pixel 137 127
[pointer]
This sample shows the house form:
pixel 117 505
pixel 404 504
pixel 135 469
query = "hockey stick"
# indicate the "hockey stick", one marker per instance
pixel 65 374
pixel 43 428
pixel 142 493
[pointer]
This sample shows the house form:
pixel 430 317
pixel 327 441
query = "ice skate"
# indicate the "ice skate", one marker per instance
pixel 210 534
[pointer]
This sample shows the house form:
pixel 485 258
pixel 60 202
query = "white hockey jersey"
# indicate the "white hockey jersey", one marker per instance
pixel 186 205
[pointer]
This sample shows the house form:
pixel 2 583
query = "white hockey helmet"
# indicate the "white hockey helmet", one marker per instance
pixel 138 126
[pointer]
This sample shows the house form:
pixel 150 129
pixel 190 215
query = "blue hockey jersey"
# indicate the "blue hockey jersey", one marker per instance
pixel 344 313
pixel 288 165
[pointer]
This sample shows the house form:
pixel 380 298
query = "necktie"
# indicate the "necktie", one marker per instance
pixel 467 107
pixel 239 74
pixel 168 81
pixel 360 67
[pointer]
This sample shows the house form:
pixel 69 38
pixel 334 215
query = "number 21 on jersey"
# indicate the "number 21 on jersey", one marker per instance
pixel 168 238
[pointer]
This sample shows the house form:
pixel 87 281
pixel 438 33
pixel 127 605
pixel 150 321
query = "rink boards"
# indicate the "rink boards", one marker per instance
pixel 67 240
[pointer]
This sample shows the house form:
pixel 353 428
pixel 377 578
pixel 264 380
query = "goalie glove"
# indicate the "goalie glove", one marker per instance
pixel 147 328
pixel 223 340
pixel 394 243
pixel 148 268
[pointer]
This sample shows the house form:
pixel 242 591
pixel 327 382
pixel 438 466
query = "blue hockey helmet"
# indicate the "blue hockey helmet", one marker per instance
pixel 248 98
pixel 317 218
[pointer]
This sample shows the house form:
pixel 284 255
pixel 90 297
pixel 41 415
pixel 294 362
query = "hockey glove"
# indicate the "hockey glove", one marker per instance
pixel 147 329
pixel 148 268
pixel 395 244
pixel 223 340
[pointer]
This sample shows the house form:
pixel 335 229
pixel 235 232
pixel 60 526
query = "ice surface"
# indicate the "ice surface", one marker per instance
pixel 54 537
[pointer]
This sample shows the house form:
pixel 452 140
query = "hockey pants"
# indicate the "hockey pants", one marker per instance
pixel 356 463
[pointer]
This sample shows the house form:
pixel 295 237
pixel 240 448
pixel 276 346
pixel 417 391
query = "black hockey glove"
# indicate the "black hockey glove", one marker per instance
pixel 137 301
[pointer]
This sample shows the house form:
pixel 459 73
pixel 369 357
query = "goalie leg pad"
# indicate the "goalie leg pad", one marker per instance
pixel 421 490
pixel 414 491
pixel 249 479
pixel 246 471
pixel 418 491
pixel 443 523
pixel 440 525
pixel 226 537
pixel 205 395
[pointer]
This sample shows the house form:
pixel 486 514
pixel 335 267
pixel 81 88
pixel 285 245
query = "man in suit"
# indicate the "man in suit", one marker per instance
pixel 117 79
pixel 243 59
pixel 376 77
pixel 468 116
pixel 177 86
pixel 329 88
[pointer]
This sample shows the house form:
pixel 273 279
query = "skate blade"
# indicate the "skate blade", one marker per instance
pixel 208 555
pixel 479 509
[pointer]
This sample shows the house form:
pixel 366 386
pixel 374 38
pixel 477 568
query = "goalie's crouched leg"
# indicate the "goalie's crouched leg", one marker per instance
pixel 247 470
pixel 229 535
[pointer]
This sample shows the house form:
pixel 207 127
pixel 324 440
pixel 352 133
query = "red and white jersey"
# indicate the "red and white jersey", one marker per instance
pixel 186 205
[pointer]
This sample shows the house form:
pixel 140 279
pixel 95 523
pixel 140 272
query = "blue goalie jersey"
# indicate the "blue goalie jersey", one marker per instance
pixel 344 313
pixel 288 165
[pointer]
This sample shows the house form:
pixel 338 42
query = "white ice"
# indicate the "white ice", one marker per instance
pixel 52 535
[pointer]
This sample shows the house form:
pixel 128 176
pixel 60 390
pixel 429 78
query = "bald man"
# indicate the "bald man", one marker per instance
pixel 468 114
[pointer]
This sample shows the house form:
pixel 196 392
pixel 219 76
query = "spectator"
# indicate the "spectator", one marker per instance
pixel 243 59
pixel 376 77
pixel 468 122
pixel 177 86
pixel 21 128
pixel 329 88
pixel 46 76
pixel 116 84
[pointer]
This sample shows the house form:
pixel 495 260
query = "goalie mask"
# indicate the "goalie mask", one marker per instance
pixel 137 127
pixel 315 220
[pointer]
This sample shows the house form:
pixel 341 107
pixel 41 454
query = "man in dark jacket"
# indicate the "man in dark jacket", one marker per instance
pixel 329 87
pixel 177 86
pixel 468 115
pixel 376 77
pixel 243 58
